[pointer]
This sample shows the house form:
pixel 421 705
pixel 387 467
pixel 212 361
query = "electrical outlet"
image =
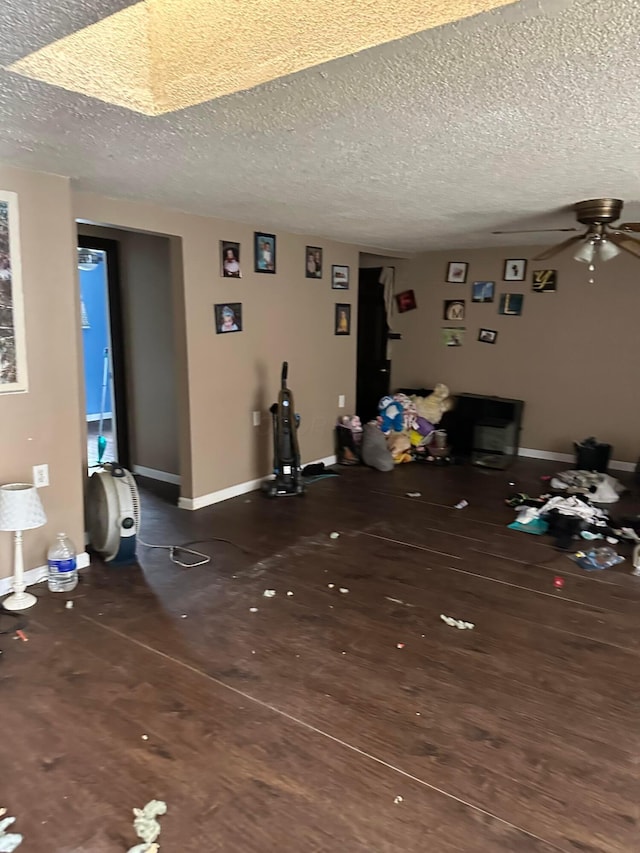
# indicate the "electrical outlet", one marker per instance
pixel 341 401
pixel 40 476
pixel 256 418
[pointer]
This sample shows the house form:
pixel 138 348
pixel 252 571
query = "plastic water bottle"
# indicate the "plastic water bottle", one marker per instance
pixel 63 566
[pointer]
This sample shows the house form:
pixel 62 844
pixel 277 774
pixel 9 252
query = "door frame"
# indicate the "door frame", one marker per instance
pixel 116 333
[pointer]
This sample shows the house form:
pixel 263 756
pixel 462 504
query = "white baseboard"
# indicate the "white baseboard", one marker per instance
pixel 615 465
pixel 154 474
pixel 106 417
pixel 39 574
pixel 239 489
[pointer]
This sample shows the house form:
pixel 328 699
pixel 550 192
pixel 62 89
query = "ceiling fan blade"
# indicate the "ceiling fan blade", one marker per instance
pixel 628 226
pixel 560 247
pixel 534 231
pixel 626 243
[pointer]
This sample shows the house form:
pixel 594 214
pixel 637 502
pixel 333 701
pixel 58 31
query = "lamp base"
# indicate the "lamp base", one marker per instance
pixel 19 601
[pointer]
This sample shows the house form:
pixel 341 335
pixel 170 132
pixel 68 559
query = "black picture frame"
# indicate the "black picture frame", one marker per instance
pixel 515 269
pixel 487 336
pixel 457 272
pixel 221 313
pixel 342 319
pixel 227 265
pixel 454 310
pixel 264 243
pixel 313 262
pixel 340 276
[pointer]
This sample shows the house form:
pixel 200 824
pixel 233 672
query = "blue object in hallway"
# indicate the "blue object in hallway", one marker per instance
pixel 95 337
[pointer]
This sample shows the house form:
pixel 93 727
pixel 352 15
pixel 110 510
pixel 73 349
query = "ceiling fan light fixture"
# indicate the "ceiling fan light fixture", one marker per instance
pixel 586 253
pixel 606 250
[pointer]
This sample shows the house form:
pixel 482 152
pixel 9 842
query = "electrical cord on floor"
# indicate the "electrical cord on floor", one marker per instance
pixel 184 547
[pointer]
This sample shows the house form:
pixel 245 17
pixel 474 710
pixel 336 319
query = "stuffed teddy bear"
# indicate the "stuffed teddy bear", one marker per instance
pixel 391 415
pixel 433 407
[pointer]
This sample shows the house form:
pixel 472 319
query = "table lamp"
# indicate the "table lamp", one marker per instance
pixel 20 509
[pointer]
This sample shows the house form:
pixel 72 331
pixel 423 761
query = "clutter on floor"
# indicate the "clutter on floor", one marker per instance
pixel 9 841
pixel 147 826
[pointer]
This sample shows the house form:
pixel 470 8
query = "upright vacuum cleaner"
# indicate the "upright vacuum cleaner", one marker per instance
pixel 286 454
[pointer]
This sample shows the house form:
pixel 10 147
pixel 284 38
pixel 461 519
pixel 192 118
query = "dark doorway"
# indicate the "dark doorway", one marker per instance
pixel 374 370
pixel 110 401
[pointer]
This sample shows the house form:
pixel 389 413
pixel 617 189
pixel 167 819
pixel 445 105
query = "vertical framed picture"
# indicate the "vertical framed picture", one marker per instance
pixel 515 269
pixel 482 291
pixel 264 252
pixel 342 323
pixel 487 336
pixel 457 272
pixel 339 277
pixel 406 301
pixel 313 267
pixel 453 337
pixel 544 281
pixel 230 259
pixel 453 309
pixel 511 304
pixel 228 317
pixel 13 354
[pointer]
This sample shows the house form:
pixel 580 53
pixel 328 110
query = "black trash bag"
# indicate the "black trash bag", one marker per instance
pixel 592 455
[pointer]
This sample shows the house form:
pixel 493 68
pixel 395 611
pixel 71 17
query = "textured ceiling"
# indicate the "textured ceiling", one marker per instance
pixel 160 56
pixel 433 141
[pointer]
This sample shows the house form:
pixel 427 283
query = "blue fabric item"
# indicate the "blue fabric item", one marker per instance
pixel 538 526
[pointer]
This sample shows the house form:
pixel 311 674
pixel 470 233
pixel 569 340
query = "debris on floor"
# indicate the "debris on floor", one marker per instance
pixel 558 582
pixel 145 737
pixel 414 494
pixel 461 504
pixel 457 623
pixel 9 841
pixel 399 645
pixel 398 800
pixel 344 590
pixel 331 585
pixel 597 559
pixel 253 610
pixel 289 593
pixel 22 636
pixel 147 827
pixel 69 605
pixel 334 535
pixel 398 601
pixel 269 593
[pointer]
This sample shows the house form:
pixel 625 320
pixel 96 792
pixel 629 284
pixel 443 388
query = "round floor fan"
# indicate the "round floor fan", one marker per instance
pixel 113 513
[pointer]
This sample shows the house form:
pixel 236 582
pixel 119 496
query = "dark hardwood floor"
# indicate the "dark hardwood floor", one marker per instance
pixel 297 727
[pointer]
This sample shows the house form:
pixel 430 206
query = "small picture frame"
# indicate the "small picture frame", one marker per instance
pixel 457 272
pixel 228 317
pixel 313 262
pixel 264 252
pixel 453 336
pixel 482 291
pixel 230 259
pixel 454 309
pixel 544 281
pixel 339 277
pixel 511 304
pixel 487 336
pixel 342 322
pixel 515 269
pixel 406 301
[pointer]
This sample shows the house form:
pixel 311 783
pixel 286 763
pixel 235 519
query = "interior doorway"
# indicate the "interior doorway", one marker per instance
pixel 373 368
pixel 103 358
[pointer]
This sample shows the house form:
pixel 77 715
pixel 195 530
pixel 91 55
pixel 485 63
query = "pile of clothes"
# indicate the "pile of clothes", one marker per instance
pixel 573 513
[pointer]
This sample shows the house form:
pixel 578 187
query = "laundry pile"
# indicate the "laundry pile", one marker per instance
pixel 574 513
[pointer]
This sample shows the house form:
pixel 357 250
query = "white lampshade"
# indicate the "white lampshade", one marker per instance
pixel 20 507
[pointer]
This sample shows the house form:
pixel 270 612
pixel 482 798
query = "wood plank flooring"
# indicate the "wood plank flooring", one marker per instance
pixel 297 727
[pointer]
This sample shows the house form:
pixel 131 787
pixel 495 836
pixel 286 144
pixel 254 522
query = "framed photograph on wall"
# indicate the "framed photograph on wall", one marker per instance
pixel 453 309
pixel 482 291
pixel 339 277
pixel 511 304
pixel 406 301
pixel 230 259
pixel 487 336
pixel 228 317
pixel 342 323
pixel 313 267
pixel 453 337
pixel 13 355
pixel 515 269
pixel 545 281
pixel 457 272
pixel 264 252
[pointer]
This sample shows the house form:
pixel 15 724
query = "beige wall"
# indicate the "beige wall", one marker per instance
pixel 44 424
pixel 149 344
pixel 285 316
pixel 572 356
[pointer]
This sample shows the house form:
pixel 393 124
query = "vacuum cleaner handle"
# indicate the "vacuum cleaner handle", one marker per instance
pixel 285 370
